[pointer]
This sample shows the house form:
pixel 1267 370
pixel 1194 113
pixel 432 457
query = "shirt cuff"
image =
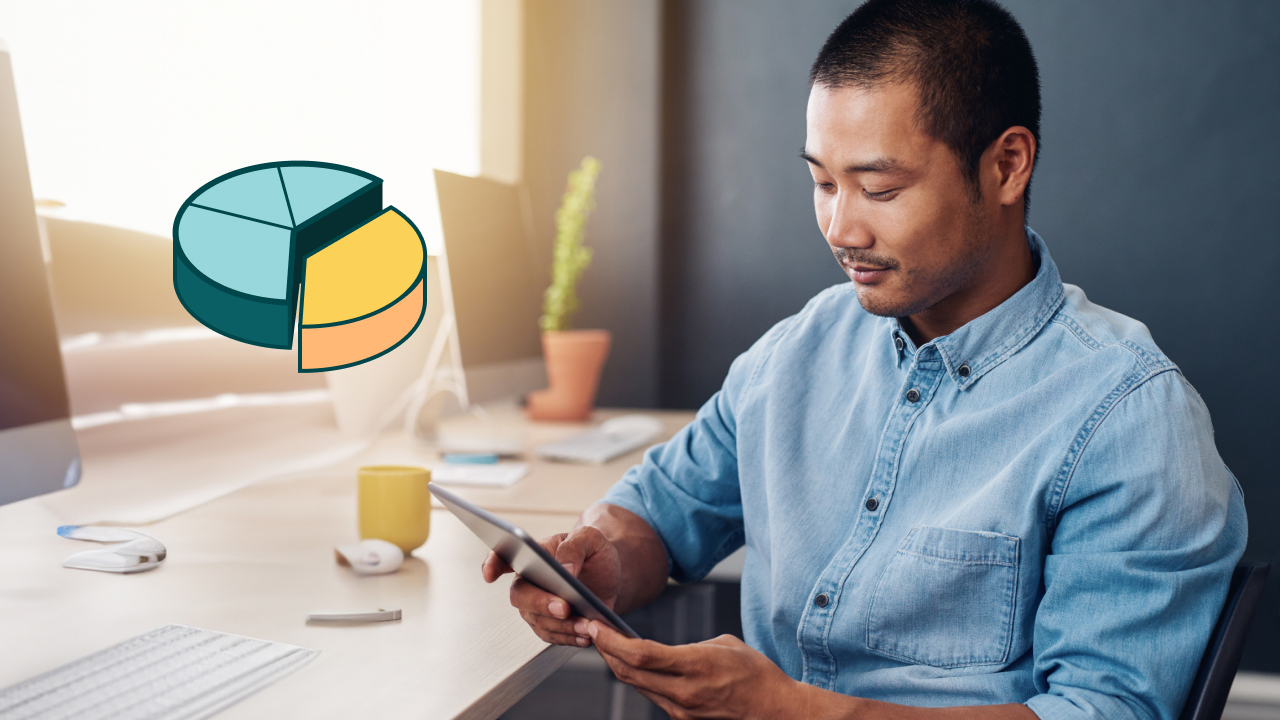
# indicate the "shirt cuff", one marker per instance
pixel 1099 706
pixel 624 495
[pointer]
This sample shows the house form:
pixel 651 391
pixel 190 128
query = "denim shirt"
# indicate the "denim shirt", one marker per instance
pixel 1030 509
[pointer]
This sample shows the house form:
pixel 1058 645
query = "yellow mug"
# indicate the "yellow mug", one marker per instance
pixel 395 505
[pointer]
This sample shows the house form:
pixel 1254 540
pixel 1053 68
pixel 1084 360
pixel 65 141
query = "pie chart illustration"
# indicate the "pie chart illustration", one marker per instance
pixel 267 248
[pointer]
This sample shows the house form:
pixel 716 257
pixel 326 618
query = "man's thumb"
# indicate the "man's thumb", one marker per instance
pixel 573 552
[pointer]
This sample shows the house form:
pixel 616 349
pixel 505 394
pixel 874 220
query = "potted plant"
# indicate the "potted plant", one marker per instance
pixel 574 358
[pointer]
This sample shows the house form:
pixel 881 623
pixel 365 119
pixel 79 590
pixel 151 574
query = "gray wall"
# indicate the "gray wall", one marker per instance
pixel 1155 192
pixel 740 247
pixel 591 88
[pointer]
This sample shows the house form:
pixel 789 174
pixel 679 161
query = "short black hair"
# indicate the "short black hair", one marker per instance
pixel 970 61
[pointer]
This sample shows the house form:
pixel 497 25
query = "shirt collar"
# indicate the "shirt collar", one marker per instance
pixel 976 348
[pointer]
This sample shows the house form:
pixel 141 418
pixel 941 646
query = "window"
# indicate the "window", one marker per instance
pixel 128 107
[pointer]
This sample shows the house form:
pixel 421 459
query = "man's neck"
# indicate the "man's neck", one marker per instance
pixel 1011 267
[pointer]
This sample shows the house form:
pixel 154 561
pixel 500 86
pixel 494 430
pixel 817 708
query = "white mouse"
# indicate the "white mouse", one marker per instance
pixel 111 561
pixel 130 550
pixel 370 557
pixel 643 427
pixel 134 542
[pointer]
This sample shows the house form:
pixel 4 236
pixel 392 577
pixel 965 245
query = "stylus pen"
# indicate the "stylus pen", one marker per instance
pixel 379 616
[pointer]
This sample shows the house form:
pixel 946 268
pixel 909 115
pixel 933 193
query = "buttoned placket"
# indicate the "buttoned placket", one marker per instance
pixel 923 376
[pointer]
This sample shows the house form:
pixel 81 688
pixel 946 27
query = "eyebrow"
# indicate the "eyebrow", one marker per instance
pixel 875 165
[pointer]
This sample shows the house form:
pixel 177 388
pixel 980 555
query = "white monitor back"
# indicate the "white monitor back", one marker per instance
pixel 369 398
pixel 494 282
pixel 38 452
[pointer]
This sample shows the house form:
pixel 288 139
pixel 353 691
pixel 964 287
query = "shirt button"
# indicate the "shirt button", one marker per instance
pixel 964 370
pixel 872 504
pixel 822 600
pixel 913 395
pixel 897 342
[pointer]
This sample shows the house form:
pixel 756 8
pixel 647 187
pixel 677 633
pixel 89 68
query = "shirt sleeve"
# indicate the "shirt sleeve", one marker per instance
pixel 1151 524
pixel 687 489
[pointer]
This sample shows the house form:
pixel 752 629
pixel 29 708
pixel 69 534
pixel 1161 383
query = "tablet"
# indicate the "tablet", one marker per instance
pixel 530 560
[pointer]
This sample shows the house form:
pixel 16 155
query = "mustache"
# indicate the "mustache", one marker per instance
pixel 848 257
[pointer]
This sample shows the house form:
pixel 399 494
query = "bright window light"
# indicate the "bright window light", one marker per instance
pixel 127 107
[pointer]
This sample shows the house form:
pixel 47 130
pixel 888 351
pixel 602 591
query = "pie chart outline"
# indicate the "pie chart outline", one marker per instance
pixel 419 280
pixel 291 304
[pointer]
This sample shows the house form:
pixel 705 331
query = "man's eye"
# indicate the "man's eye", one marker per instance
pixel 825 187
pixel 882 195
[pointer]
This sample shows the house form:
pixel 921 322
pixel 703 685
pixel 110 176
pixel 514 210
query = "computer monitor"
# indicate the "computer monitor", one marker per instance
pixel 493 281
pixel 38 452
pixel 368 398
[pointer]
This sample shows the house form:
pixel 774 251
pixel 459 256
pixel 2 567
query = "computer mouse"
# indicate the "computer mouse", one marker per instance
pixel 111 561
pixel 132 542
pixel 145 547
pixel 370 557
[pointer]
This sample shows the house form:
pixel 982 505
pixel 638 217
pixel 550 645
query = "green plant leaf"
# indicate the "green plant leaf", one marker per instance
pixel 570 258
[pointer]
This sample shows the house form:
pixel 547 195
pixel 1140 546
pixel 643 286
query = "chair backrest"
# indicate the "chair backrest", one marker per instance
pixel 1221 658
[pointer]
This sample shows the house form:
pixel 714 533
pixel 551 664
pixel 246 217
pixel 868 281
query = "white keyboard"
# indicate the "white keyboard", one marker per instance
pixel 614 437
pixel 173 672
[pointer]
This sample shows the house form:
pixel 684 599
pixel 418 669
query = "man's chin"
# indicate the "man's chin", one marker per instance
pixel 876 301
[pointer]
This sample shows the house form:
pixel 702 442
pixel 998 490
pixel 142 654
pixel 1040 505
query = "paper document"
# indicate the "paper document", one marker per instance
pixel 502 474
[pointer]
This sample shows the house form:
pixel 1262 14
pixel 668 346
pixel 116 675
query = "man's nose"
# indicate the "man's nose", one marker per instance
pixel 846 227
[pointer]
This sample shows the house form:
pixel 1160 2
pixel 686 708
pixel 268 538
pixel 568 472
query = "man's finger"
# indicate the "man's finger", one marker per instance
pixel 562 639
pixel 551 542
pixel 493 567
pixel 530 598
pixel 663 684
pixel 556 638
pixel 581 544
pixel 641 654
pixel 555 625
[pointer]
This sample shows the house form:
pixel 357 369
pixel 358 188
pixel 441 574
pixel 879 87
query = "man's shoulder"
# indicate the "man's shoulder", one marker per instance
pixel 1129 385
pixel 1107 335
pixel 1145 434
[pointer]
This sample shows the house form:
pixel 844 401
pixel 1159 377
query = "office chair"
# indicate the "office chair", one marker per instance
pixel 1218 667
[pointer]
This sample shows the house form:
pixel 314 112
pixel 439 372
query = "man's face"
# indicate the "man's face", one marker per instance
pixel 892 201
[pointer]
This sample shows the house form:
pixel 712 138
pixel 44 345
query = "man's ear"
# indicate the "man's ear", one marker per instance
pixel 1013 156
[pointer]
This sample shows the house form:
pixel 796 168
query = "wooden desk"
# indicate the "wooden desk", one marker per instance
pixel 550 487
pixel 139 470
pixel 255 563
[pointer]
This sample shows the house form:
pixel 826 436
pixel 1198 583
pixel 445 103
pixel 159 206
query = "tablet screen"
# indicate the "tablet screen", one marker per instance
pixel 530 560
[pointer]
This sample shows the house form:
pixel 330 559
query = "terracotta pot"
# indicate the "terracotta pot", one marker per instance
pixel 574 361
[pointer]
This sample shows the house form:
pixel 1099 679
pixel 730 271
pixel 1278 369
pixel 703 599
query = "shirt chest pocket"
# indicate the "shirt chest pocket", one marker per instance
pixel 946 599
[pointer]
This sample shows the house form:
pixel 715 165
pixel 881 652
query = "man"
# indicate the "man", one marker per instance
pixel 965 491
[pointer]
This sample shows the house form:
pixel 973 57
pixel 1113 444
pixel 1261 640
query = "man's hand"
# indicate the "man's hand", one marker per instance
pixel 587 555
pixel 720 678
pixel 725 678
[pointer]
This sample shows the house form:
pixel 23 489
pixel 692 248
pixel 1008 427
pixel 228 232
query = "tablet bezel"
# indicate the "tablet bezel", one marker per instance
pixel 537 566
